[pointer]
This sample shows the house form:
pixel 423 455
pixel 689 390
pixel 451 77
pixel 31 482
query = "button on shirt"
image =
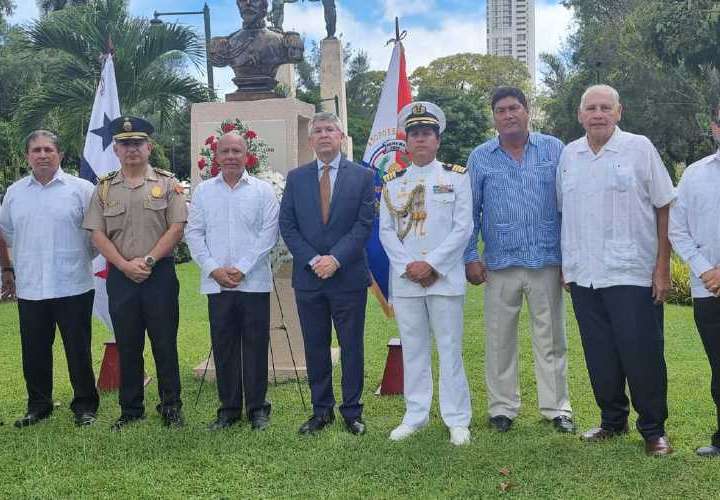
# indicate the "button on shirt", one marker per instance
pixel 233 227
pixel 514 204
pixel 608 202
pixel 694 222
pixel 52 252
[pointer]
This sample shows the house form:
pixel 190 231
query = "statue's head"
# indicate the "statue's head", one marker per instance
pixel 253 13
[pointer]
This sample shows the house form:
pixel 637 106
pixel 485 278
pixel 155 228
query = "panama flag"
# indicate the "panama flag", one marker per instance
pixel 386 153
pixel 98 159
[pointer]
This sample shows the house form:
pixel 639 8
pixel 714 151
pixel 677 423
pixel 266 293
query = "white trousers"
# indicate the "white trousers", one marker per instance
pixel 504 292
pixel 416 318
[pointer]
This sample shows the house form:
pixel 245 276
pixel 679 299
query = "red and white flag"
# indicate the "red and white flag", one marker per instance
pixel 99 159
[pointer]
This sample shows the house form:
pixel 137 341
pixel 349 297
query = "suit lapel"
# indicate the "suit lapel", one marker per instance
pixel 314 187
pixel 339 186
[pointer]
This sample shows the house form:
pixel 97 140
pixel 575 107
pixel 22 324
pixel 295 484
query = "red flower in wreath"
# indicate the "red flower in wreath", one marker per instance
pixel 227 127
pixel 250 134
pixel 213 146
pixel 214 170
pixel 209 140
pixel 202 163
pixel 251 161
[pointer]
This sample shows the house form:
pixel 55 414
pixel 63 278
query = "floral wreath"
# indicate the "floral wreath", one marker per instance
pixel 256 160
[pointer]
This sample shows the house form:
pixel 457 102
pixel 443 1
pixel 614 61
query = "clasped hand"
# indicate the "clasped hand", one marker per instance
pixel 325 267
pixel 422 273
pixel 136 270
pixel 227 277
pixel 711 280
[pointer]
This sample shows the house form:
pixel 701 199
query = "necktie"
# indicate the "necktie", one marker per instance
pixel 325 194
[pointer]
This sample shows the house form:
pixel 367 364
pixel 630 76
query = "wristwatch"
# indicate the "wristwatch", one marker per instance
pixel 149 261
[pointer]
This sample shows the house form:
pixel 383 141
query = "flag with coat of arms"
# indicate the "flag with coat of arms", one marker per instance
pixel 385 153
pixel 97 160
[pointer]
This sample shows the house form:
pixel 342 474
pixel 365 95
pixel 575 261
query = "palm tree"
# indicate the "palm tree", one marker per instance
pixel 150 63
pixel 47 6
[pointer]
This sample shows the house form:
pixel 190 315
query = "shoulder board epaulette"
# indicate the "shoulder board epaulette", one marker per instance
pixel 394 174
pixel 458 169
pixel 108 176
pixel 166 173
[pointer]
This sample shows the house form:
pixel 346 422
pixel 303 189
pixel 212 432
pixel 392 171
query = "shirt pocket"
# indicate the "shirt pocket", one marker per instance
pixel 156 204
pixel 548 237
pixel 114 218
pixel 620 257
pixel 505 238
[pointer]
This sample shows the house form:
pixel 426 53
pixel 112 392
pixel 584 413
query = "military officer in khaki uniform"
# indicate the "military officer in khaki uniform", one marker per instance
pixel 425 223
pixel 137 216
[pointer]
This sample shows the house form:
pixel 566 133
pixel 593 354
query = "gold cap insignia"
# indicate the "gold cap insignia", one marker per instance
pixel 419 109
pixel 127 126
pixel 156 192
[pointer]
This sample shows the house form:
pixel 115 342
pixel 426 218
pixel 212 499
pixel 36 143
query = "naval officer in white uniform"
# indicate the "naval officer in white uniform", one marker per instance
pixel 425 223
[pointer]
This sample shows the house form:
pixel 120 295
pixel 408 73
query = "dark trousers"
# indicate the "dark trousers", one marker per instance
pixel 707 319
pixel 134 308
pixel 38 319
pixel 318 311
pixel 240 333
pixel 622 336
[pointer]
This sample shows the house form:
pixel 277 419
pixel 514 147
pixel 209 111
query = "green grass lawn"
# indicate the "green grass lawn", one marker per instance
pixel 55 459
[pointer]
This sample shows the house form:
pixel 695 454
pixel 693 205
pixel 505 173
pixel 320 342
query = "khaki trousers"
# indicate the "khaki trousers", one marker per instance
pixel 504 293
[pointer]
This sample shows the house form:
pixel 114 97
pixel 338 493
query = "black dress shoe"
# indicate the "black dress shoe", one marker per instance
pixel 601 434
pixel 84 419
pixel 172 417
pixel 355 426
pixel 316 423
pixel 260 420
pixel 32 418
pixel 221 423
pixel 564 424
pixel 708 451
pixel 125 420
pixel 501 423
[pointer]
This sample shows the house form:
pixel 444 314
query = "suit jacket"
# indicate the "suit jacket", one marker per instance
pixel 352 210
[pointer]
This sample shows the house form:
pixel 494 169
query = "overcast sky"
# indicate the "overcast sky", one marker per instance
pixel 435 28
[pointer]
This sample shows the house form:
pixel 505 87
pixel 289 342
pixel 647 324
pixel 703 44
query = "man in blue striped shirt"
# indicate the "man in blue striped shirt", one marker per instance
pixel 515 209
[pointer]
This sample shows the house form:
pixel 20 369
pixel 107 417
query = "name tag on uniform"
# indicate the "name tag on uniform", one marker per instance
pixel 443 188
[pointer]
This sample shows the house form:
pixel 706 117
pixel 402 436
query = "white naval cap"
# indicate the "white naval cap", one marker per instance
pixel 421 113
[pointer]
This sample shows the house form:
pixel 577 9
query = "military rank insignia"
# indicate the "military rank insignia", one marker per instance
pixel 156 192
pixel 443 189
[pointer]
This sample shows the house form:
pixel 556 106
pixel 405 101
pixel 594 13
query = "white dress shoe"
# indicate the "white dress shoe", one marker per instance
pixel 459 435
pixel 403 431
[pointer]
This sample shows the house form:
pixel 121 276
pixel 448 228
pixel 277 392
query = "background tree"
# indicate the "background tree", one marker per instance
pixel 150 65
pixel 47 6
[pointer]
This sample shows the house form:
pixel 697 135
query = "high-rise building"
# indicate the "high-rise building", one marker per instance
pixel 511 30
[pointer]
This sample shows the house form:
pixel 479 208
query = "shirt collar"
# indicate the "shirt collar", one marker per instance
pixel 613 144
pixel 58 176
pixel 495 142
pixel 333 164
pixel 244 178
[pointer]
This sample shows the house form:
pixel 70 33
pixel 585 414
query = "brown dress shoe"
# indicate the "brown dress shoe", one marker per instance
pixel 658 447
pixel 601 434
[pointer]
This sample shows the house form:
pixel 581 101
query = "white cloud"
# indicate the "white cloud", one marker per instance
pixel 400 8
pixel 553 24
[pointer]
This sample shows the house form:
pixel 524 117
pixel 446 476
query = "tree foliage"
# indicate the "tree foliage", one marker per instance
pixel 614 44
pixel 149 63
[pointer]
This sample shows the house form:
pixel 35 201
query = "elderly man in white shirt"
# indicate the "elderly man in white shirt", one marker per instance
pixel 614 194
pixel 232 227
pixel 41 220
pixel 695 235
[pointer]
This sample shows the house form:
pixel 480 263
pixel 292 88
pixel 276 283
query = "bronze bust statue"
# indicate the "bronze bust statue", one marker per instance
pixel 254 52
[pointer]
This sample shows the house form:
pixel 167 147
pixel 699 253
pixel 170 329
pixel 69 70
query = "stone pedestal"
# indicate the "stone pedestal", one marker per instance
pixel 332 84
pixel 286 77
pixel 281 122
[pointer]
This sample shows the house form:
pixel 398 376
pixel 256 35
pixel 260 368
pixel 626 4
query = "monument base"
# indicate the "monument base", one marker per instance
pixel 251 96
pixel 281 122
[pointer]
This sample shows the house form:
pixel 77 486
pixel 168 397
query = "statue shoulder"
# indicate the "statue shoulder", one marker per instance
pixel 458 169
pixel 394 175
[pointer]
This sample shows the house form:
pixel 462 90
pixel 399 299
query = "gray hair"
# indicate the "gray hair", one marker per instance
pixel 36 134
pixel 600 88
pixel 324 116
